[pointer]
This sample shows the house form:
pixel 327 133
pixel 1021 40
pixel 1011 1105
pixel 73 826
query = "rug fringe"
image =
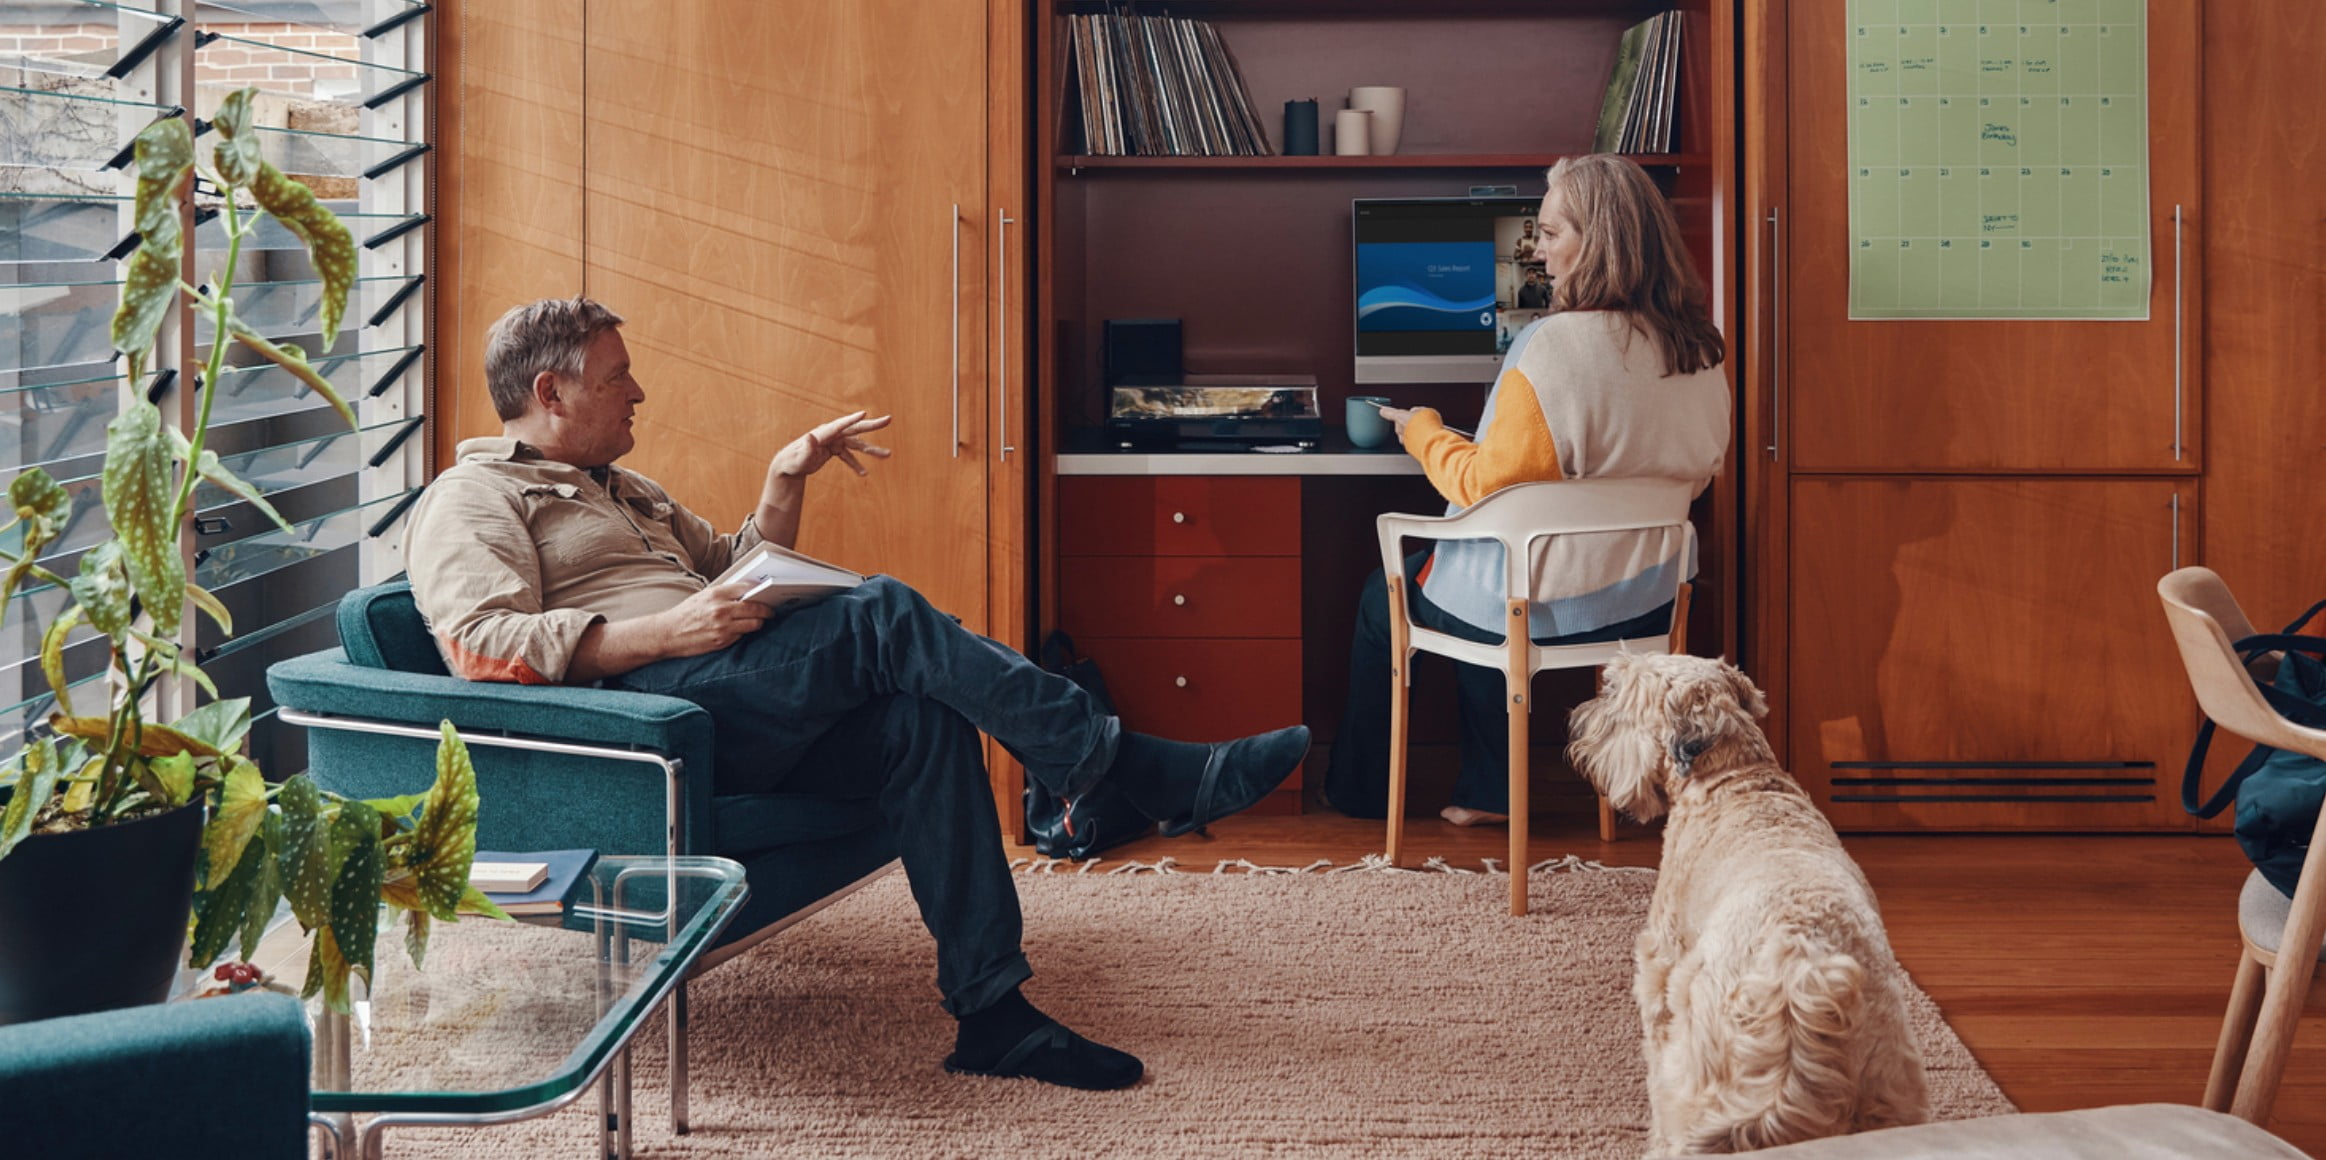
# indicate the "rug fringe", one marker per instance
pixel 1369 864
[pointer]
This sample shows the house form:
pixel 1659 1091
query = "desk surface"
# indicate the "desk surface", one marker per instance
pixel 1092 453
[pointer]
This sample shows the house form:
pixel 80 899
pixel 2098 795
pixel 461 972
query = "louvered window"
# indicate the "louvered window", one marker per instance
pixel 343 105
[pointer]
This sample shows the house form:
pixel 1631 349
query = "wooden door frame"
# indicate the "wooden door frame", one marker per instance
pixel 1765 605
pixel 1009 541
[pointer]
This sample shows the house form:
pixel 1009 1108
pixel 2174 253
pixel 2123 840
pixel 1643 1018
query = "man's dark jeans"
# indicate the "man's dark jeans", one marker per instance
pixel 1357 779
pixel 873 693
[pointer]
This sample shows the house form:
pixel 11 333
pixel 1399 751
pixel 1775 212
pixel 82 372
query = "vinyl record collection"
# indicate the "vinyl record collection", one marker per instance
pixel 1637 115
pixel 1159 86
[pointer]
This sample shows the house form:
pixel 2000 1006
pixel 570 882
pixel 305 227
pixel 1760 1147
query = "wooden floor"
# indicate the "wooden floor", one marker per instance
pixel 2080 970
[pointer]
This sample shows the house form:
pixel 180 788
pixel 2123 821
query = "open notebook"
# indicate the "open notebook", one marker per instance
pixel 779 577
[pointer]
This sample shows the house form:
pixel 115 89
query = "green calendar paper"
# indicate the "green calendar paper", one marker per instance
pixel 1998 154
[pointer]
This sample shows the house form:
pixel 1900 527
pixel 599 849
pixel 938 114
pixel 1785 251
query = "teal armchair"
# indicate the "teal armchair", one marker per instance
pixel 209 1077
pixel 562 767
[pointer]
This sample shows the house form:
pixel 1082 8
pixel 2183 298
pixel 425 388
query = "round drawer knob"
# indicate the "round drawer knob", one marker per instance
pixel 1179 600
pixel 1179 517
pixel 1180 681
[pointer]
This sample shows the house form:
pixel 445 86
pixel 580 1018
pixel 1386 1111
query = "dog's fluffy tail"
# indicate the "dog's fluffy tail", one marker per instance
pixel 1789 1039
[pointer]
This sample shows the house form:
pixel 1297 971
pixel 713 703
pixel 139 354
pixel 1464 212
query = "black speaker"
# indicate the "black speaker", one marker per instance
pixel 1142 352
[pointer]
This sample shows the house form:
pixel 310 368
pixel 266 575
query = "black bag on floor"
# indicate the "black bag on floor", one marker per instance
pixel 1099 819
pixel 2278 794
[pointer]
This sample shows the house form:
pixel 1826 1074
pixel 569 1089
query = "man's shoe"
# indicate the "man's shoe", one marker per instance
pixel 1052 1054
pixel 1237 774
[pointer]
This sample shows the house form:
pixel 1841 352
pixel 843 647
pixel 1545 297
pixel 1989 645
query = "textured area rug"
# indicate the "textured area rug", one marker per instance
pixel 1348 1013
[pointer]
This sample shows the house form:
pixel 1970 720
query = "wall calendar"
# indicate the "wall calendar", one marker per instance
pixel 1998 154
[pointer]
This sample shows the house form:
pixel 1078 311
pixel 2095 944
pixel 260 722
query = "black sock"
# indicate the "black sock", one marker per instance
pixel 1160 777
pixel 985 1035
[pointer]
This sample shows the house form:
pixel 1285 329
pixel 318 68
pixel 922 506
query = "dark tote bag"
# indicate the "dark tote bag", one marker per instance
pixel 1098 819
pixel 2278 793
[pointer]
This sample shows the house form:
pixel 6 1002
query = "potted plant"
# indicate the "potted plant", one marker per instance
pixel 120 827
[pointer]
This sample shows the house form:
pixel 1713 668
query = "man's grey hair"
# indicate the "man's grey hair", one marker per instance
pixel 550 335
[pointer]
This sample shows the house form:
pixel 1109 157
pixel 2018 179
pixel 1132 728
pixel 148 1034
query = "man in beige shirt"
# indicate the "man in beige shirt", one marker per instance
pixel 535 559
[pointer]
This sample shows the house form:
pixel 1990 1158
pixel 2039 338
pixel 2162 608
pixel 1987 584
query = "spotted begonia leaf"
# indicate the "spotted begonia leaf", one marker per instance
pixel 355 890
pixel 165 156
pixel 269 886
pixel 241 806
pixel 33 787
pixel 52 656
pixel 224 908
pixel 444 842
pixel 306 852
pixel 237 155
pixel 140 498
pixel 102 590
pixel 329 246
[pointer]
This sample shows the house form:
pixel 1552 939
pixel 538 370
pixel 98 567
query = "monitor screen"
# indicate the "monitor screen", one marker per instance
pixel 1442 286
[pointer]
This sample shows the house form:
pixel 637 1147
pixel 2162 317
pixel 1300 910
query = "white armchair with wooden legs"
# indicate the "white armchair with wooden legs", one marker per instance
pixel 2281 938
pixel 1521 517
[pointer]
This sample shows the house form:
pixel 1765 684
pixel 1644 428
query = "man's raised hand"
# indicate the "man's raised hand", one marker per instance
pixel 841 439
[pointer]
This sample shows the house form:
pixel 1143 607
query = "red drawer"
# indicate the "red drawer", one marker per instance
pixel 1178 515
pixel 1180 596
pixel 1200 690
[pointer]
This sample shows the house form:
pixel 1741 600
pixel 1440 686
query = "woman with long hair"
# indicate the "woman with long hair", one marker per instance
pixel 1621 380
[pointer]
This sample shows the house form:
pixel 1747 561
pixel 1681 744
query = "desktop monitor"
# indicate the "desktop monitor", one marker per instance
pixel 1442 286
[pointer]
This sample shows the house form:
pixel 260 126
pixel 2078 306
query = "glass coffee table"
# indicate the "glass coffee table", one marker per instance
pixel 511 1020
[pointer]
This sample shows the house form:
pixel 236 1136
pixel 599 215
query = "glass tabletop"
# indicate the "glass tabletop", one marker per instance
pixel 503 1016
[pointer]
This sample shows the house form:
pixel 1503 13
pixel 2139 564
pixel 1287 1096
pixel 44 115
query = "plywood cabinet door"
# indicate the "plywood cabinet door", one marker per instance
pixel 789 204
pixel 1988 653
pixel 1928 395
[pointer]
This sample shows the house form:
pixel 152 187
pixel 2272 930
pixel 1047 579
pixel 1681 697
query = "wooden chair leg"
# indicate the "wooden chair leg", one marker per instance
pixel 1680 618
pixel 2283 993
pixel 2236 1032
pixel 1518 678
pixel 1399 659
pixel 1606 819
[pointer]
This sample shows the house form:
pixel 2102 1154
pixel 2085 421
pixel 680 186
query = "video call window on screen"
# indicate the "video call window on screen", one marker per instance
pixel 1442 286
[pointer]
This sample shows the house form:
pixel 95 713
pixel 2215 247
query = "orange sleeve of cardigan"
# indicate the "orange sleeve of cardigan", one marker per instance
pixel 1515 448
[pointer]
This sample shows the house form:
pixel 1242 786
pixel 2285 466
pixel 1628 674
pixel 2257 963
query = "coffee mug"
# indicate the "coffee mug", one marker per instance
pixel 1366 426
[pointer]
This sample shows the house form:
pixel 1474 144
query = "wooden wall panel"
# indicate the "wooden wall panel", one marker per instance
pixel 771 193
pixel 1997 637
pixel 2265 325
pixel 1933 395
pixel 511 149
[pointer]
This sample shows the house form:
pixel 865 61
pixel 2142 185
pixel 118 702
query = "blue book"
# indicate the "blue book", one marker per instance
pixel 565 871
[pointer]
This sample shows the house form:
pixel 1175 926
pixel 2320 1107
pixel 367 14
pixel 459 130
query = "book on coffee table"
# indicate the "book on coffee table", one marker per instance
pixel 560 871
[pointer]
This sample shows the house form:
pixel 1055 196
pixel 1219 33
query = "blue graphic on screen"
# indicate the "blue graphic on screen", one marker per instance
pixel 1425 285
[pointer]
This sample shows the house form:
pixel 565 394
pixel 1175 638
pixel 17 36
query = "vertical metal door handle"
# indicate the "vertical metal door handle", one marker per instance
pixel 1001 330
pixel 956 330
pixel 1777 329
pixel 2176 531
pixel 2176 339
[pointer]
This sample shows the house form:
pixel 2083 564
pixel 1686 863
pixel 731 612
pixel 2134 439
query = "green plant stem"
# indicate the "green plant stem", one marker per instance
pixel 219 335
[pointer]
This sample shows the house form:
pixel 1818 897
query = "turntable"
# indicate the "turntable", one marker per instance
pixel 1235 409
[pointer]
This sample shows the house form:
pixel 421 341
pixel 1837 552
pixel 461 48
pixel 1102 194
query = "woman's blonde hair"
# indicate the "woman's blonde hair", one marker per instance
pixel 1633 259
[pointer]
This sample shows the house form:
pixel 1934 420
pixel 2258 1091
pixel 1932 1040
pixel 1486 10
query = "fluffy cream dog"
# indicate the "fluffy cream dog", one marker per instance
pixel 1773 1006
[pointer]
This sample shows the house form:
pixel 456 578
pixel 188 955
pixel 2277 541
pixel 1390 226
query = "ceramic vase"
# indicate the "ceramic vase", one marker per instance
pixel 1387 104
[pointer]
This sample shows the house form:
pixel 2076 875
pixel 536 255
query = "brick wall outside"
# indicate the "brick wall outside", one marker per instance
pixel 44 146
pixel 225 62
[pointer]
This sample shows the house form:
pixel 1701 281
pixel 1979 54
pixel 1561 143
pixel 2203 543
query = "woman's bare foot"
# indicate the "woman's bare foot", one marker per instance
pixel 1462 816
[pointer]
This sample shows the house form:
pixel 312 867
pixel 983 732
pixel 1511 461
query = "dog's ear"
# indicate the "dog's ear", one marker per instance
pixel 1747 693
pixel 1702 712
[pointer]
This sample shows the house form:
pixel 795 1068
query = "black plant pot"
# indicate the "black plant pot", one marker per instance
pixel 92 920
